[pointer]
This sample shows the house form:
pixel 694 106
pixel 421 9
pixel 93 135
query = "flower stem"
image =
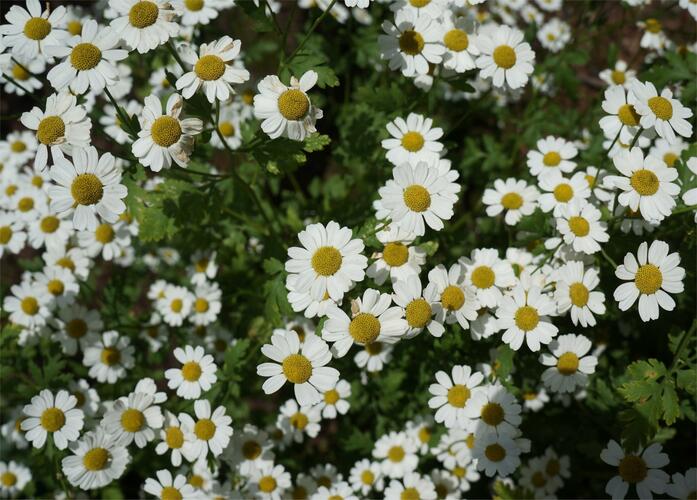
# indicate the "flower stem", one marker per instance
pixel 307 35
pixel 123 116
pixel 681 345
pixel 175 54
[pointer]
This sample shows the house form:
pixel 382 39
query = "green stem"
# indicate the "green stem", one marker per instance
pixel 687 208
pixel 123 116
pixel 22 66
pixel 608 258
pixel 636 137
pixel 273 16
pixel 681 345
pixel 30 94
pixel 312 29
pixel 175 54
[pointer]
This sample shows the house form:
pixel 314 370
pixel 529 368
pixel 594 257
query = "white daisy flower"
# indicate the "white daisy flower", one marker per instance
pixel 618 75
pixel 416 196
pixel 683 485
pixel 13 478
pixel 556 468
pixel 328 263
pixel 59 283
pixel 12 234
pixel 87 187
pixel 55 415
pixel 642 469
pixel 574 290
pixel 399 259
pixel 166 487
pixel 31 30
pixel 230 127
pixel 28 203
pixel 646 183
pixel 249 450
pixel 303 366
pixel 297 421
pixel 22 72
pixel 453 397
pixel 411 485
pixel 96 460
pixel 498 454
pixel 373 357
pixel 514 196
pixel 172 438
pixel 654 37
pixel 497 410
pixel 107 240
pixel 211 431
pixel 413 140
pixel 109 357
pixel 196 374
pixel 569 365
pixel 559 191
pixel 144 25
pixel 134 418
pixel 63 127
pixel 89 60
pixel 458 36
pixel 213 70
pixel 554 35
pixel 28 305
pixel 411 42
pixel 665 114
pixel 87 397
pixel 49 230
pixel 669 153
pixel 372 320
pixel 366 476
pixel 580 226
pixel 505 57
pixel 164 138
pixel 535 400
pixel 175 305
pixel 302 300
pixel 335 401
pixel 487 274
pixel 268 482
pixel 552 154
pixel 619 103
pixel 689 197
pixel 207 304
pixel 397 453
pixel 523 315
pixel 75 259
pixel 18 147
pixel 534 479
pixel 457 300
pixel 420 308
pixel 286 111
pixel 194 12
pixel 651 276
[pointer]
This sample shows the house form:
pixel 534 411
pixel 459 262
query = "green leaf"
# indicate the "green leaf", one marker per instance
pixel 316 142
pixel 261 23
pixel 671 405
pixel 504 361
pixel 311 59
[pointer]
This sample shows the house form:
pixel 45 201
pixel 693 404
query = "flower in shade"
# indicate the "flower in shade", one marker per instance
pixel 638 468
pixel 569 364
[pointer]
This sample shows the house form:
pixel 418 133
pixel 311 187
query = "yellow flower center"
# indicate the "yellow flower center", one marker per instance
pixel 86 189
pixel 538 479
pixel 563 193
pixel 409 494
pixel 85 56
pixel 95 459
pixel 618 77
pixel 74 27
pixel 492 414
pixel 411 42
pixel 644 182
pixel 201 265
pixel 553 467
pixel 418 313
pixel 166 131
pixel 49 224
pixel 628 115
pixel 104 234
pixel 251 450
pixel 248 97
pixel 201 305
pixel 504 56
pixel 170 492
pixel 511 201
pixel 204 429
pixel 196 481
pixel 52 419
pixel 299 420
pixel 227 129
pixel 483 277
pixel 21 74
pixel 267 484
pixel 567 363
pixel 452 298
pixel 395 254
pixel 632 469
pixel 8 479
pixel 37 28
pixel 194 5
pixel 293 104
pixel 176 305
pixel 396 454
pixel 551 159
pixel 374 348
pixel 367 477
pixel 331 397
pixel 648 279
pixel 364 328
pixel 18 147
pixel 297 368
pixel 326 261
pixel 456 40
pixel 653 25
pixel 579 226
pixel 458 395
pixel 417 198
pixel 661 107
pixel 413 141
pixel 5 235
pixel 30 306
pixel 495 452
pixel 50 130
pixel 143 14
pixel 670 159
pixel 526 318
pixel 419 4
pixel 191 371
pixel 132 420
pixel 25 204
pixel 469 441
pixel 66 263
pixel 424 434
pixel 578 293
pixel 174 437
pixel 110 356
pixel 11 189
pixel 209 67
pixel 55 287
